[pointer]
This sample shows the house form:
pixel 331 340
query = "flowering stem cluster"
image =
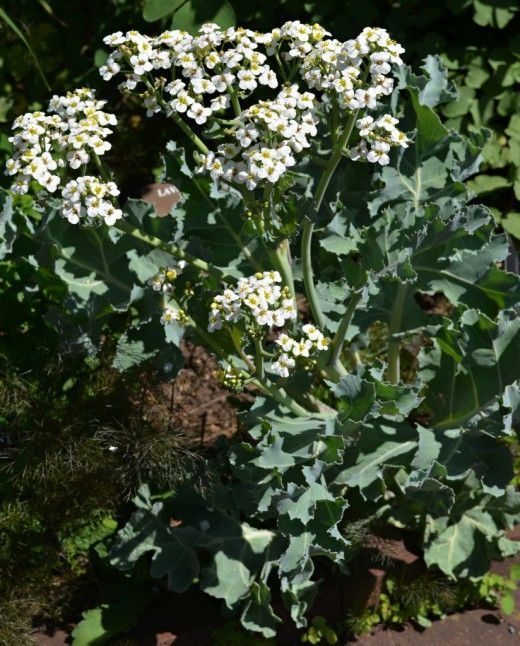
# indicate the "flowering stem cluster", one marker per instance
pixel 310 86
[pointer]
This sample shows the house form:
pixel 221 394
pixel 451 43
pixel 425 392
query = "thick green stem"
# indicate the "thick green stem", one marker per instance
pixel 339 338
pixel 393 348
pixel 169 248
pixel 103 170
pixel 196 141
pixel 241 353
pixel 208 340
pixel 234 100
pixel 281 397
pixel 308 277
pixel 259 361
pixel 281 259
pixel 308 225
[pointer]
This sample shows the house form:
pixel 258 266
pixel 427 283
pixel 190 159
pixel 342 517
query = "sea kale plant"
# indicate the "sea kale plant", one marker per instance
pixel 327 252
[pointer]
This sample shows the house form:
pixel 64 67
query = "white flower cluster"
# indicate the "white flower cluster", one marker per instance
pixel 355 71
pixel 313 341
pixel 258 299
pixel 73 128
pixel 217 63
pixel 211 65
pixel 381 134
pixel 174 315
pixel 217 67
pixel 163 281
pixel 266 140
pixel 90 197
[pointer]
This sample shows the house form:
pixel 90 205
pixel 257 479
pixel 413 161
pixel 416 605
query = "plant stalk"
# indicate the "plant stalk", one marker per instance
pixel 281 259
pixel 339 338
pixel 308 225
pixel 259 362
pixel 195 140
pixel 281 397
pixel 393 347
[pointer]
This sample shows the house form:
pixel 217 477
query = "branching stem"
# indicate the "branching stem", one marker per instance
pixel 339 338
pixel 308 225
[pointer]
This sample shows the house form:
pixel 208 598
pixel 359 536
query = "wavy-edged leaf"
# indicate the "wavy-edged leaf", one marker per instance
pixel 469 366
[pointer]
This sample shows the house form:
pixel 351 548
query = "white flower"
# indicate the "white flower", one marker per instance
pixel 109 70
pixel 212 59
pixel 199 113
pixel 285 342
pixel 223 81
pixel 215 323
pixel 246 80
pixel 268 77
pixel 114 39
pixel 173 315
pixel 283 365
pixel 302 348
pixel 221 102
pixel 289 308
pixel 378 153
pixel 21 184
pixel 312 332
pixel 50 182
pixel 141 64
pixel 323 343
pixel 175 87
pixel 182 101
pixel 359 152
pixel 202 86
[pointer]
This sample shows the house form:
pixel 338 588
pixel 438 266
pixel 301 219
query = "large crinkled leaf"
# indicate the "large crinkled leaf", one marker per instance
pixel 435 164
pixel 358 397
pixel 93 263
pixel 298 596
pixel 460 550
pixel 99 625
pixel 300 502
pixel 369 397
pixel 146 533
pixel 297 552
pixel 258 615
pixel 433 88
pixel 239 552
pixel 455 256
pixel 469 366
pixel 341 236
pixel 227 579
pixel 432 496
pixel 464 452
pixel 372 455
pixel 505 509
pixel 451 250
pixel 104 272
